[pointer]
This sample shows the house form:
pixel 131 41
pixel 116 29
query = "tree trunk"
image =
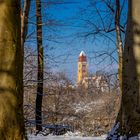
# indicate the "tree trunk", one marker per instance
pixel 119 41
pixel 11 72
pixel 131 72
pixel 130 105
pixel 120 52
pixel 40 68
pixel 24 21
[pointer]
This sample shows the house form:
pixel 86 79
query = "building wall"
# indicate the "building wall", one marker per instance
pixel 82 71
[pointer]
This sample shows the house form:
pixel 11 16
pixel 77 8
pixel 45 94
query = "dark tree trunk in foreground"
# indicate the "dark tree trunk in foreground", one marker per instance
pixel 130 105
pixel 40 67
pixel 131 72
pixel 11 72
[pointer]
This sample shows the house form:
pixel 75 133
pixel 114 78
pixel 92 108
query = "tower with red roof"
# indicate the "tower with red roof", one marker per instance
pixel 82 67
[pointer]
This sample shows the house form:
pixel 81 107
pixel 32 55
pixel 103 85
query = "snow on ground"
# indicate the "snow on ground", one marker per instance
pixel 50 137
pixel 73 136
pixel 67 136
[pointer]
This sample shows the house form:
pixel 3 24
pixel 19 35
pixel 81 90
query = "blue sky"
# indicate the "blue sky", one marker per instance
pixel 63 41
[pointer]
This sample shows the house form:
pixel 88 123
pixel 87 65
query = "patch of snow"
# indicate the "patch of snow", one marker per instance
pixel 71 134
pixel 65 137
pixel 112 134
pixel 74 136
pixel 134 138
pixel 84 106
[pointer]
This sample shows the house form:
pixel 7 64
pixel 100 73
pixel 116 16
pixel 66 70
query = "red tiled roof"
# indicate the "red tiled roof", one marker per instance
pixel 82 58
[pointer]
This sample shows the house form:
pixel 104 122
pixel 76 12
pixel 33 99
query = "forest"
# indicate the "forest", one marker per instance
pixel 69 69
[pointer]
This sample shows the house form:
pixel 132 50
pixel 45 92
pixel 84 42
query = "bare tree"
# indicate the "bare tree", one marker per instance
pixel 119 40
pixel 24 20
pixel 108 22
pixel 40 67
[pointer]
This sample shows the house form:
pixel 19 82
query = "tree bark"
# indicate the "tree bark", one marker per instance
pixel 119 41
pixel 24 21
pixel 11 72
pixel 120 52
pixel 130 104
pixel 40 67
pixel 131 72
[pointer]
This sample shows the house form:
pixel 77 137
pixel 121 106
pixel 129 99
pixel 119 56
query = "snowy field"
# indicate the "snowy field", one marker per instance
pixel 67 136
pixel 73 137
pixel 31 137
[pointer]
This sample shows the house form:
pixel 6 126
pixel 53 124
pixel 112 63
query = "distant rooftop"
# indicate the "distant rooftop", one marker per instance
pixel 82 57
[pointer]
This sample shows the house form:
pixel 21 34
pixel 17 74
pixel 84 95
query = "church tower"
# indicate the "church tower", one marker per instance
pixel 82 67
